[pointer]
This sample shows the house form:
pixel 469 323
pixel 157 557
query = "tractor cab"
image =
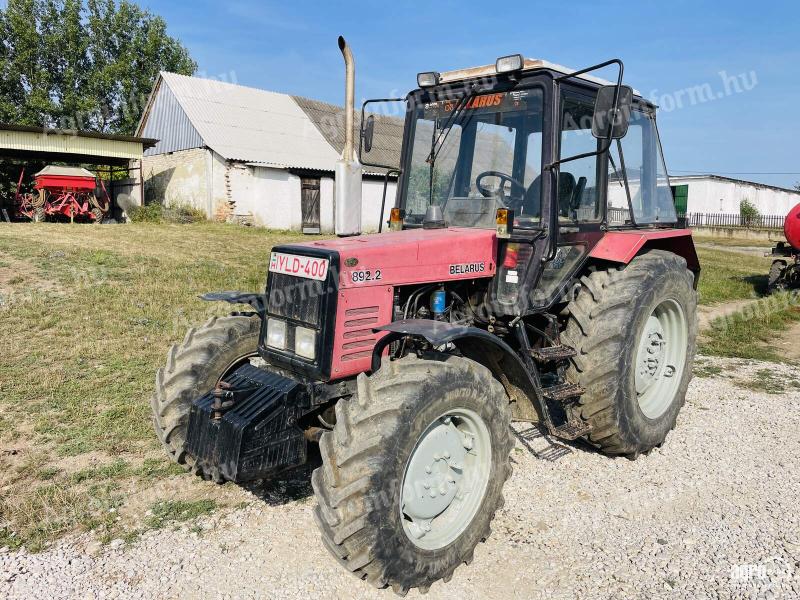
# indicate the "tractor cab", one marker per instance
pixel 552 156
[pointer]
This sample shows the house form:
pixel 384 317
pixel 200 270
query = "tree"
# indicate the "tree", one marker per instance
pixel 82 64
pixel 749 214
pixel 797 186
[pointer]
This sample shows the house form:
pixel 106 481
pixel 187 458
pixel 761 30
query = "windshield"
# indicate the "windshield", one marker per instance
pixel 487 156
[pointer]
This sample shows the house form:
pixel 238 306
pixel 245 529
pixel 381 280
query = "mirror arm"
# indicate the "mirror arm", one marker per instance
pixel 361 131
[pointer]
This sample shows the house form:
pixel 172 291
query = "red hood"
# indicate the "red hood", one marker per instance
pixel 414 256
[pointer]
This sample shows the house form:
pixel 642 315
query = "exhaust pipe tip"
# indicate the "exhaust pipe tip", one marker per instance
pixel 342 43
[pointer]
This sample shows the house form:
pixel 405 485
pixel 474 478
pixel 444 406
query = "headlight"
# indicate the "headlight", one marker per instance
pixel 276 334
pixel 305 342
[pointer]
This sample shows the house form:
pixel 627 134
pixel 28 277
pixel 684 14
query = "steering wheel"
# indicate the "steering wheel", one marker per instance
pixel 489 192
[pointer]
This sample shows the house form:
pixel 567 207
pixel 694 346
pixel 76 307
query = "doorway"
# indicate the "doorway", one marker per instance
pixel 309 204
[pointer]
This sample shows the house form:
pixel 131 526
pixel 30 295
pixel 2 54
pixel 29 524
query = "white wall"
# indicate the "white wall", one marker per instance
pixel 177 178
pixel 326 208
pixel 720 196
pixel 371 194
pixel 270 196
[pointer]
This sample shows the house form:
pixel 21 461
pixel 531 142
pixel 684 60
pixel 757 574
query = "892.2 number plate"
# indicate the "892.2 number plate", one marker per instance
pixel 363 276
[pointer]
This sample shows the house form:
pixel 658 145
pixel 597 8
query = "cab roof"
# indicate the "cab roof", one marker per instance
pixel 529 64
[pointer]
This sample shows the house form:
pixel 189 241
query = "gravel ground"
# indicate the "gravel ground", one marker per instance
pixel 712 514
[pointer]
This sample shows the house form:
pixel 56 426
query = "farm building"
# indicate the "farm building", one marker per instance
pixel 709 194
pixel 251 155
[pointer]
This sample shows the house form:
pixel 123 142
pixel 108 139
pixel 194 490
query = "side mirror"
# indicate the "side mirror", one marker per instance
pixel 368 133
pixel 609 121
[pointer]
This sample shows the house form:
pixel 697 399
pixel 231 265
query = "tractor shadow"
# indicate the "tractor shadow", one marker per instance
pixel 759 283
pixel 291 485
pixel 542 446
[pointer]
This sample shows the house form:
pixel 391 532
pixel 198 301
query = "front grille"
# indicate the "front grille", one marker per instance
pixel 295 298
pixel 305 303
pixel 358 338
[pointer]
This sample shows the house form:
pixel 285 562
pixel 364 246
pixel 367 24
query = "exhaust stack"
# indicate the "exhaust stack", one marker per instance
pixel 347 201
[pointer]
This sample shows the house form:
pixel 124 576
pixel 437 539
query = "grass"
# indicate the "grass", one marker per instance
pixel 87 315
pixel 727 275
pixel 750 333
pixel 176 511
pixel 767 381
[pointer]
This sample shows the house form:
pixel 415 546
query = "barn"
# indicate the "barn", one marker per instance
pixel 716 194
pixel 252 156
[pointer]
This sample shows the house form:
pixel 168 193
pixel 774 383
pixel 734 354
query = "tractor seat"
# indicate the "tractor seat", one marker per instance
pixel 531 205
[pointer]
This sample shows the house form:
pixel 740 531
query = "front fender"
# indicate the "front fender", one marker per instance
pixel 257 301
pixel 478 345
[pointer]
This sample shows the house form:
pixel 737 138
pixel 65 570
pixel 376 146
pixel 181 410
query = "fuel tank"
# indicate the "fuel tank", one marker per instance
pixel 791 227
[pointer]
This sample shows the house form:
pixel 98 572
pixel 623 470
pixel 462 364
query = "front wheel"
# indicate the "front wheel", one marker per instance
pixel 413 472
pixel 635 332
pixel 207 354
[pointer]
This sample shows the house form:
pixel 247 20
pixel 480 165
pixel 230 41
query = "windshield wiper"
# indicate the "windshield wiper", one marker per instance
pixel 445 131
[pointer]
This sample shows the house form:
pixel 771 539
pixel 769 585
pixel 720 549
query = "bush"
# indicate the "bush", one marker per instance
pixel 748 213
pixel 173 213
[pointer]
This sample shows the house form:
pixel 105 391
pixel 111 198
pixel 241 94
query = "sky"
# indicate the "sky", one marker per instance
pixel 725 74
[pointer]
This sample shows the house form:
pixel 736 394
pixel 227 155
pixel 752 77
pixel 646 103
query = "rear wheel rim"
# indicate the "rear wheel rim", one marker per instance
pixel 445 479
pixel 661 358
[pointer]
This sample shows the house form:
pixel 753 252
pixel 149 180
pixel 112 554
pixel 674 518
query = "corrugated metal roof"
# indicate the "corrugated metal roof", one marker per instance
pixel 250 125
pixel 64 141
pixel 165 118
pixel 330 120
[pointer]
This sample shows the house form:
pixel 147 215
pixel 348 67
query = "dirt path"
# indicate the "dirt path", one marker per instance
pixel 706 314
pixel 787 343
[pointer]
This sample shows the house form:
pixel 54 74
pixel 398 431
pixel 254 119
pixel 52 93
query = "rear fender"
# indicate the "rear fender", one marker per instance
pixel 257 301
pixel 623 246
pixel 475 344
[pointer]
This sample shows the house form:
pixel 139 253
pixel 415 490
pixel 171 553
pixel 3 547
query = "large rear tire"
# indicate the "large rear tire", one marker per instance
pixel 207 354
pixel 635 331
pixel 413 472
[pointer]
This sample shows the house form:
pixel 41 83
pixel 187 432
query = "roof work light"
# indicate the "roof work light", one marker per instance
pixel 509 64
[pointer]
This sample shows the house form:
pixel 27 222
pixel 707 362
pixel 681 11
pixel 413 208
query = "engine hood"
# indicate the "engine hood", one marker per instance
pixel 413 256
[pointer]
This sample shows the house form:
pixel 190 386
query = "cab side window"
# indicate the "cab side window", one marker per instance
pixel 578 192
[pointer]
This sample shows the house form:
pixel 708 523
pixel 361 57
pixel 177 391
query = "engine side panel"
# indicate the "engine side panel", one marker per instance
pixel 359 311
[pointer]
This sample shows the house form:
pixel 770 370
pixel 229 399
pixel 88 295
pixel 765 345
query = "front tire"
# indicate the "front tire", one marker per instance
pixel 401 499
pixel 635 331
pixel 194 367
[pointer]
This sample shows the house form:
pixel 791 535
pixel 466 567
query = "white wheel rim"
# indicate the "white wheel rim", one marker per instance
pixel 445 479
pixel 661 358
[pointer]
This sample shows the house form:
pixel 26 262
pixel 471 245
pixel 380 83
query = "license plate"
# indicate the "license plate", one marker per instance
pixel 307 267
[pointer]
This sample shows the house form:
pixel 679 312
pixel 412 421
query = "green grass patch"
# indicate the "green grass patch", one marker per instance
pixel 728 275
pixel 87 328
pixel 178 511
pixel 703 369
pixel 749 334
pixel 767 381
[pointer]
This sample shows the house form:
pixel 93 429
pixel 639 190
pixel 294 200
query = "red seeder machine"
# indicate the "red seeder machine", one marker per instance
pixel 62 193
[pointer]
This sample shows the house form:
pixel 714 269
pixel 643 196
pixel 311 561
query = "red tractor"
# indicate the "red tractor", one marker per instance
pixel 63 193
pixel 784 274
pixel 504 291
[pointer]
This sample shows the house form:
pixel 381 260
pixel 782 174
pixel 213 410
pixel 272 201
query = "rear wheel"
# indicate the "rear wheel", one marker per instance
pixel 775 275
pixel 634 329
pixel 194 367
pixel 413 472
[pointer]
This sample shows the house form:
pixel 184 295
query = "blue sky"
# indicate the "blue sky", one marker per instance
pixel 675 52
